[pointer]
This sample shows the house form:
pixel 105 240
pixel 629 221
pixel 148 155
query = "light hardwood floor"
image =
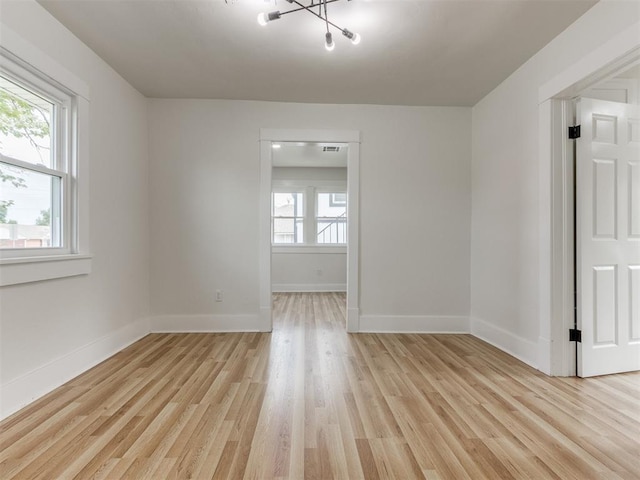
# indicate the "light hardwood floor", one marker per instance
pixel 309 401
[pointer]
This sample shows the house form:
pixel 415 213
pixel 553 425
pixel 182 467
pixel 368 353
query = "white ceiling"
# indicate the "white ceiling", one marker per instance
pixel 413 52
pixel 292 154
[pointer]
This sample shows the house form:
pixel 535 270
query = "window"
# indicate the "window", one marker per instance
pixel 309 215
pixel 44 125
pixel 288 217
pixel 35 186
pixel 337 199
pixel 331 218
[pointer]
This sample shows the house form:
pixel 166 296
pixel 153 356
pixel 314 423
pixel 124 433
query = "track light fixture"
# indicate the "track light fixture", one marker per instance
pixel 321 5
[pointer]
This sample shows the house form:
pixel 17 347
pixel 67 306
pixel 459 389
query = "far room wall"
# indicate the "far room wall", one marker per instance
pixel 310 269
pixel 414 206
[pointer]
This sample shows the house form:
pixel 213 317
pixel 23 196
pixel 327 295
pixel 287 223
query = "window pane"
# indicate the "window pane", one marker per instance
pixel 25 125
pixel 331 221
pixel 29 208
pixel 288 205
pixel 332 204
pixel 288 213
pixel 332 230
pixel 288 230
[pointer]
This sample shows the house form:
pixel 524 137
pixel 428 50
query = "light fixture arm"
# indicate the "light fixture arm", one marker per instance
pixel 326 17
pixel 305 7
pixel 308 9
pixel 264 18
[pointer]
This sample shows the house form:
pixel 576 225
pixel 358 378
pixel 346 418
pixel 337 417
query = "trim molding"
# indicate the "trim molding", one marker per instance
pixel 518 347
pixel 21 391
pixel 616 54
pixel 205 323
pixel 309 287
pixel 308 249
pixel 32 55
pixel 34 269
pixel 413 324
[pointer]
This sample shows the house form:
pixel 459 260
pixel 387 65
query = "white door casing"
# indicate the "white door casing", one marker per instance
pixel 556 354
pixel 608 237
pixel 350 137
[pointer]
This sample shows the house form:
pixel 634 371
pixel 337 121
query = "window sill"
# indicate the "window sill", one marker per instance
pixel 14 271
pixel 308 249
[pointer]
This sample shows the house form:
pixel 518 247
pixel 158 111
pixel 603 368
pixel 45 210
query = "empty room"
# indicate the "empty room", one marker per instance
pixel 320 239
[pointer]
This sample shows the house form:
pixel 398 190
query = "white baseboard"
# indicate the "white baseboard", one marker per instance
pixel 206 323
pixel 27 388
pixel 521 348
pixel 413 324
pixel 309 287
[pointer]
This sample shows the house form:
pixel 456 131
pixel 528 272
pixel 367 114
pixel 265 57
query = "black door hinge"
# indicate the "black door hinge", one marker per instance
pixel 574 132
pixel 575 335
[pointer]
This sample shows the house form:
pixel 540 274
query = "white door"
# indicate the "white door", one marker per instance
pixel 608 237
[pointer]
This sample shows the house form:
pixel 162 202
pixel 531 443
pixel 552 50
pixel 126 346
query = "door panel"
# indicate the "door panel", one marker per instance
pixel 634 200
pixel 605 318
pixel 604 198
pixel 634 303
pixel 608 237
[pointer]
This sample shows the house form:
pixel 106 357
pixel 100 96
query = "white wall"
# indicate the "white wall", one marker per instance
pixel 505 245
pixel 309 272
pixel 415 205
pixel 53 330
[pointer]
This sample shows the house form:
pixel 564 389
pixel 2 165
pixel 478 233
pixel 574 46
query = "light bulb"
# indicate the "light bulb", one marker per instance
pixel 354 37
pixel 328 42
pixel 264 18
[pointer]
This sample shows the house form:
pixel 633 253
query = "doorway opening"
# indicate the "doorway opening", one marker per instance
pixel 309 217
pixel 309 209
pixel 309 227
pixel 557 113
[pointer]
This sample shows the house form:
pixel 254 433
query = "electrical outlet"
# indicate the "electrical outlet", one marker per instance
pixel 218 295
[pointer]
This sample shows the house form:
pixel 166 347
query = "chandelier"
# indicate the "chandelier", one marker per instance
pixel 321 5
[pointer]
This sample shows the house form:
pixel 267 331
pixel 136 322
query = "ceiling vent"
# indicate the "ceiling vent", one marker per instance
pixel 330 149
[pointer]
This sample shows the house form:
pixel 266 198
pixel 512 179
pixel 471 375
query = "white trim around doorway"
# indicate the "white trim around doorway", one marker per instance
pixel 350 137
pixel 556 355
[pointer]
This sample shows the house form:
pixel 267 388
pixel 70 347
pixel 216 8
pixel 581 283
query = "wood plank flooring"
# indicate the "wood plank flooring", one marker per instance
pixel 311 402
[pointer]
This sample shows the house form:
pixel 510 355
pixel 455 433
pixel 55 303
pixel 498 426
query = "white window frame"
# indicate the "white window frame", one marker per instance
pixel 291 190
pixel 64 107
pixel 27 65
pixel 331 190
pixel 61 209
pixel 310 189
